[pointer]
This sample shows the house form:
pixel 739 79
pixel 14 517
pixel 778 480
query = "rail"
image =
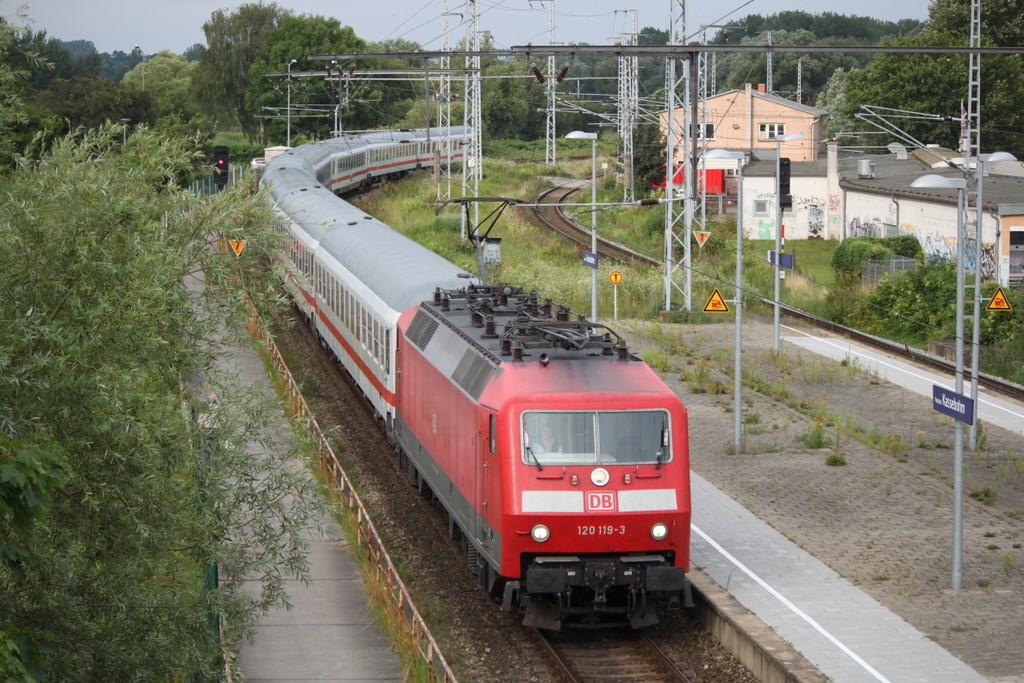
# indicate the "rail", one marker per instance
pixel 411 622
pixel 612 250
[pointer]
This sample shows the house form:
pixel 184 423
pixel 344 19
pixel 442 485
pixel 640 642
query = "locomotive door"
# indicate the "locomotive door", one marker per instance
pixel 485 461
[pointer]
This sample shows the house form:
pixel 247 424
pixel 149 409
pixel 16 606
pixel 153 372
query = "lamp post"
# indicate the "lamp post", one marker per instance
pixel 737 158
pixel 143 69
pixel 580 135
pixel 994 158
pixel 936 181
pixel 779 139
pixel 288 111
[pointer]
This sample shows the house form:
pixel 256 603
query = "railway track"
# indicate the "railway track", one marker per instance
pixel 609 656
pixel 558 221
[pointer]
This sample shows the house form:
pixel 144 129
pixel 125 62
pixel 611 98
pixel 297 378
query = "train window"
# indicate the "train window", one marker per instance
pixel 592 438
pixel 634 436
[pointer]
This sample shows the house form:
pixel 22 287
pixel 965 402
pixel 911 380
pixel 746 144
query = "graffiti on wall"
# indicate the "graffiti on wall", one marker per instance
pixel 938 246
pixel 866 227
pixel 815 222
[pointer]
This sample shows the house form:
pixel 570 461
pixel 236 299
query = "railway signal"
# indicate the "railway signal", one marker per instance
pixel 220 166
pixel 785 198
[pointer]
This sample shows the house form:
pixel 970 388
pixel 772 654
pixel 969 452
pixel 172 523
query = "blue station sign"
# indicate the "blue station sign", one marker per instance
pixel 957 406
pixel 590 259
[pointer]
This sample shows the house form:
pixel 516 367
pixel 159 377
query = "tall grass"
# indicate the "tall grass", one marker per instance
pixel 533 258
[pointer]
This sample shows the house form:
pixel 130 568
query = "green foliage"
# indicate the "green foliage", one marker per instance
pixel 119 312
pixel 907 246
pixel 295 37
pixel 234 42
pixel 648 156
pixel 923 83
pixel 29 474
pixel 852 252
pixel 802 28
pixel 512 107
pixel 168 83
pixel 915 305
pixel 92 102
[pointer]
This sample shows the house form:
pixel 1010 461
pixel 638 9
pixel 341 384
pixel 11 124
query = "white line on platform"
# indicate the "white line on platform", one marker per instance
pixel 796 610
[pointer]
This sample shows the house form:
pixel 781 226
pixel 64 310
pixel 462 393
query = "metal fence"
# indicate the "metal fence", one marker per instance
pixel 236 174
pixel 872 272
pixel 345 494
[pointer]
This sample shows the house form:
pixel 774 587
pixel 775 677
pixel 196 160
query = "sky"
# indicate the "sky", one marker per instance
pixel 176 25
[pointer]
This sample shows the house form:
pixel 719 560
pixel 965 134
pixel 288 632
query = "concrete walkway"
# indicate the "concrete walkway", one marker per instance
pixel 328 634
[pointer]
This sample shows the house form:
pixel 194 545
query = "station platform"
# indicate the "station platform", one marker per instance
pixel 836 625
pixel 991 409
pixel 845 633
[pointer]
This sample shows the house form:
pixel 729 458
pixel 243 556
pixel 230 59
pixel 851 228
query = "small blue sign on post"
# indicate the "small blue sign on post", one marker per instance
pixel 590 259
pixel 785 260
pixel 957 406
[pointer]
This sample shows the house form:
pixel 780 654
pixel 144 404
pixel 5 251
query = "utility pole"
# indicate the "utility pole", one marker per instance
pixel 679 213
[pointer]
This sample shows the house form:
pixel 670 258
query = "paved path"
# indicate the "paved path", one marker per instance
pixel 328 635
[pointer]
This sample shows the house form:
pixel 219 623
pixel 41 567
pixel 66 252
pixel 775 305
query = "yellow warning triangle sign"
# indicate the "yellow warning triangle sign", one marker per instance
pixel 716 304
pixel 999 301
pixel 237 246
pixel 702 237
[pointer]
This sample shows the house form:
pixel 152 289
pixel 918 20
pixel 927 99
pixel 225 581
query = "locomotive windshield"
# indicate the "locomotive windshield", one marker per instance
pixel 596 438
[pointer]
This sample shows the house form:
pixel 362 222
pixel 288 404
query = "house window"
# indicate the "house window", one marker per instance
pixel 769 131
pixel 762 207
pixel 705 131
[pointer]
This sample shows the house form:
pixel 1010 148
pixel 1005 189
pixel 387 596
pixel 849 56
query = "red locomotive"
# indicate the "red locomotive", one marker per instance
pixel 560 457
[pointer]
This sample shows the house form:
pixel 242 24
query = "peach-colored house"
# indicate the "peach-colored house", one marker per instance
pixel 749 120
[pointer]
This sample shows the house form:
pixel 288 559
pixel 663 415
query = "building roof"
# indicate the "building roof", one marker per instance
pixel 892 175
pixel 769 97
pixel 806 108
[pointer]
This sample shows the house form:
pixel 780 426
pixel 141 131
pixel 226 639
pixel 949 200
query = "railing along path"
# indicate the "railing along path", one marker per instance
pixel 412 622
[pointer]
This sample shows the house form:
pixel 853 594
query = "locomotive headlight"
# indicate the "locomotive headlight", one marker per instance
pixel 600 476
pixel 540 533
pixel 659 531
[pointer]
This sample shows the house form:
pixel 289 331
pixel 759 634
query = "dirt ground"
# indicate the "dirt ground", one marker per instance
pixel 883 519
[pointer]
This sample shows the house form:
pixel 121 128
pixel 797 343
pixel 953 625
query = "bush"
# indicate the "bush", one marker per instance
pixel 906 246
pixel 851 253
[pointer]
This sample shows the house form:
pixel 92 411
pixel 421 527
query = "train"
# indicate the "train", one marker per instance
pixel 559 457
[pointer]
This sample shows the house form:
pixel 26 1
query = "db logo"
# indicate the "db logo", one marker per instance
pixel 600 501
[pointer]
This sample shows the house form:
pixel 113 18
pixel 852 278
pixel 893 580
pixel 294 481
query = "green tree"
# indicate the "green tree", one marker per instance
pixel 233 44
pixel 296 37
pixel 936 84
pixel 168 79
pixel 833 99
pixel 47 59
pixel 91 102
pixel 513 103
pixel 648 156
pixel 1002 20
pixel 119 313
